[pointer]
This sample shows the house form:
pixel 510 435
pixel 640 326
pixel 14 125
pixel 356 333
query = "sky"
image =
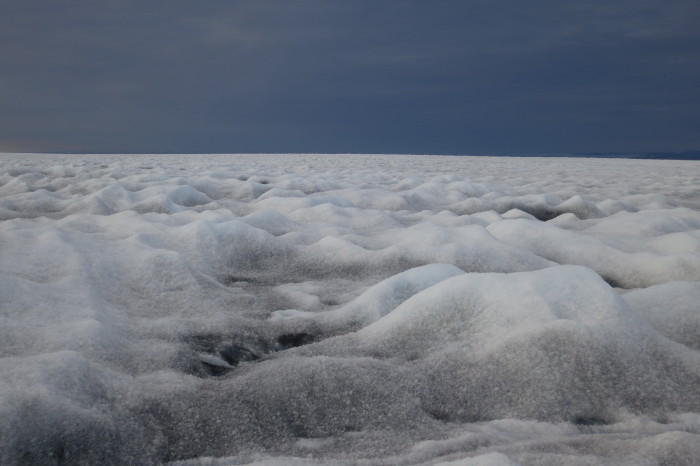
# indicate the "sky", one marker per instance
pixel 356 76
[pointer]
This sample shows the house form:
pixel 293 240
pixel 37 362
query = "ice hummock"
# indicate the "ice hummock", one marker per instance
pixel 311 309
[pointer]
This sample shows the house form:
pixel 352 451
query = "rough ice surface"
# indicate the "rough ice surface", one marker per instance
pixel 348 309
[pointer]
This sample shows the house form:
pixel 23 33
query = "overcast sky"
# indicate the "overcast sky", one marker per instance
pixel 377 76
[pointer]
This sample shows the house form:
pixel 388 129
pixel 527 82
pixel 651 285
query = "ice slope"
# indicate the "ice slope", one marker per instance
pixel 319 309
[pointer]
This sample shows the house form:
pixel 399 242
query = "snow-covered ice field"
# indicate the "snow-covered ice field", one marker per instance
pixel 329 309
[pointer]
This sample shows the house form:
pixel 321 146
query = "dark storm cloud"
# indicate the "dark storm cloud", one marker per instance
pixel 361 76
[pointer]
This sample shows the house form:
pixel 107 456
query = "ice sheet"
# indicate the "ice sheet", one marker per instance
pixel 348 309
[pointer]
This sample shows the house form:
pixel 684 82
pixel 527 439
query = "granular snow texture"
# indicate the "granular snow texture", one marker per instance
pixel 348 309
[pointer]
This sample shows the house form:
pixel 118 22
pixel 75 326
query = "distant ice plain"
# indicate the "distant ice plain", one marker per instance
pixel 348 309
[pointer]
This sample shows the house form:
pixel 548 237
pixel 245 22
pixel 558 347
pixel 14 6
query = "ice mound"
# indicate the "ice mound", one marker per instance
pixel 376 302
pixel 570 344
pixel 672 308
pixel 348 309
pixel 624 269
pixel 60 408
